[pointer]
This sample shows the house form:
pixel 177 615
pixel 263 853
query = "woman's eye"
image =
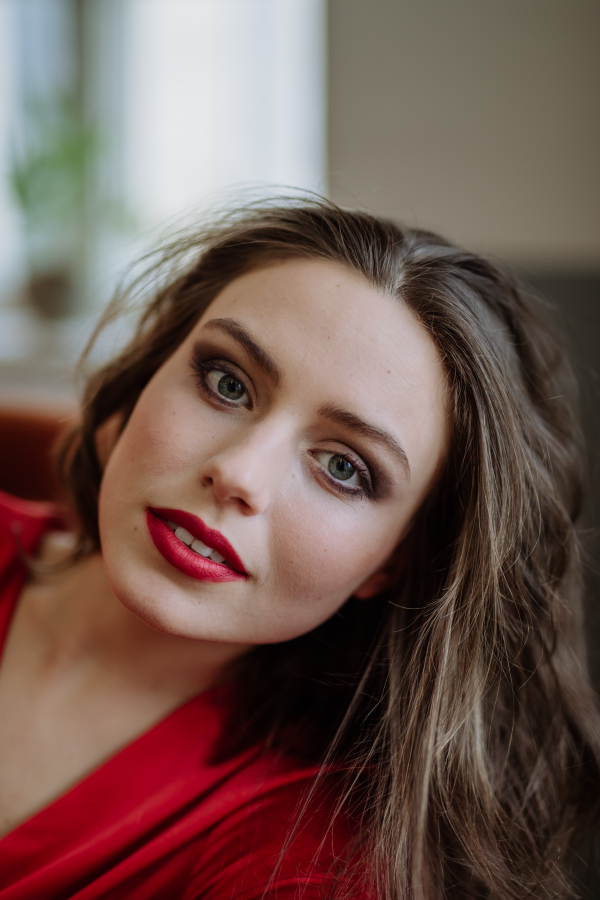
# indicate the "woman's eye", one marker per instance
pixel 228 386
pixel 340 468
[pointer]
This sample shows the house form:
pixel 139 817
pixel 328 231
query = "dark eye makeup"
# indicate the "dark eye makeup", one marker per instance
pixel 229 389
pixel 340 468
pixel 224 383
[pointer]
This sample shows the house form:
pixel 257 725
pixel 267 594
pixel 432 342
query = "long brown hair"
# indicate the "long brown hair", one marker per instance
pixel 459 699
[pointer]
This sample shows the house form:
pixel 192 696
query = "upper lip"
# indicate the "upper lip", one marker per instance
pixel 202 532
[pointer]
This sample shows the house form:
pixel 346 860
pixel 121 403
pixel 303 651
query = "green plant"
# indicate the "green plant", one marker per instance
pixel 50 170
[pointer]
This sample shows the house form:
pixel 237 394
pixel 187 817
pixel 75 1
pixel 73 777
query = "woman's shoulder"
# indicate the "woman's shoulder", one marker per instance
pixel 22 524
pixel 33 516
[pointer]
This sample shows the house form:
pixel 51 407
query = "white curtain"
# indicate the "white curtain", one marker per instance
pixel 222 93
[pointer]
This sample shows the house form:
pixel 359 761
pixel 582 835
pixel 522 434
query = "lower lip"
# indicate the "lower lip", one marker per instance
pixel 182 558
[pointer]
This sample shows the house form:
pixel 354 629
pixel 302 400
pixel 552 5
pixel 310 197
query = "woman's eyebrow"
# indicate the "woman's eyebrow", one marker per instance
pixel 243 337
pixel 370 431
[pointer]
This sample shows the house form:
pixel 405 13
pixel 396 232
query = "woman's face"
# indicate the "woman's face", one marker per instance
pixel 296 431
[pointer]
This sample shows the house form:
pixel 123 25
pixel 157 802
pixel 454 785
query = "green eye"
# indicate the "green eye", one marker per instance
pixel 230 388
pixel 340 467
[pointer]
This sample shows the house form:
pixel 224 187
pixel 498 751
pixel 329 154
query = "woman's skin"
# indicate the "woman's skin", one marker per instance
pixel 98 654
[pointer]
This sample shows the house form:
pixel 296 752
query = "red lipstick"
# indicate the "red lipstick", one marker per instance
pixel 182 557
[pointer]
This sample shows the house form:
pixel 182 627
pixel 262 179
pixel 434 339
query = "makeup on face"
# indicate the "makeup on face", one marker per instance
pixel 273 463
pixel 227 384
pixel 192 547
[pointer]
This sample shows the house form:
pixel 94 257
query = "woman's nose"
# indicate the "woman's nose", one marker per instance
pixel 244 473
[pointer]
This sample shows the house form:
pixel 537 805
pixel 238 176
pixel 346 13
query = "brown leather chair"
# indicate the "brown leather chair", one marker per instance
pixel 27 440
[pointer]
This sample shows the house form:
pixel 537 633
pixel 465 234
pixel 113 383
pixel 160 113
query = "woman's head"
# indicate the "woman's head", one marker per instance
pixel 459 653
pixel 420 339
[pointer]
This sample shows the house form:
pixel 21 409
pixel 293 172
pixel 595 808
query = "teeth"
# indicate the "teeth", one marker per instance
pixel 197 546
pixel 201 548
pixel 184 535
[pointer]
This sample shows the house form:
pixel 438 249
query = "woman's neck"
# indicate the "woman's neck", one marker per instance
pixel 78 622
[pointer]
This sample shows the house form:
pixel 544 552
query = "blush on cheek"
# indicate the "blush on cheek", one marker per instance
pixel 153 440
pixel 324 563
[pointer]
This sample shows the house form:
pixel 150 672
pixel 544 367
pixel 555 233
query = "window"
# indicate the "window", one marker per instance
pixel 176 101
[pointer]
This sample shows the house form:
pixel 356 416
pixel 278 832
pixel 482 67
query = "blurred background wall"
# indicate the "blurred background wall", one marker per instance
pixel 478 119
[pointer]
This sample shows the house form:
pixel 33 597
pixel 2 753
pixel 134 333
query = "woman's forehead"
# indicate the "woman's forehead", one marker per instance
pixel 330 306
pixel 321 312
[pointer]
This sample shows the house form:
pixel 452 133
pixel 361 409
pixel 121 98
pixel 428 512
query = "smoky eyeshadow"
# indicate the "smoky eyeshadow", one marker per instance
pixel 206 350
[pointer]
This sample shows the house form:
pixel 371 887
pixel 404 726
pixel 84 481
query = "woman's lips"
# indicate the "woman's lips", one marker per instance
pixel 182 557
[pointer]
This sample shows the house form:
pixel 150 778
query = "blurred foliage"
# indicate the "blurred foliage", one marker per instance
pixel 53 176
pixel 49 175
pixel 51 170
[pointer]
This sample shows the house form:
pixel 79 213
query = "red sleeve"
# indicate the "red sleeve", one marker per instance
pixel 22 524
pixel 239 858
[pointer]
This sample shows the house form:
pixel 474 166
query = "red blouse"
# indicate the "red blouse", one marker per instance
pixel 159 819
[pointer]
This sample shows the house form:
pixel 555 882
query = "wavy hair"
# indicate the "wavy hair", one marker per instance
pixel 458 701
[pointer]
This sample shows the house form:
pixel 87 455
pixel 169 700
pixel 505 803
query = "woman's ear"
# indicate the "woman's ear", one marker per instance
pixel 385 577
pixel 106 437
pixel 375 584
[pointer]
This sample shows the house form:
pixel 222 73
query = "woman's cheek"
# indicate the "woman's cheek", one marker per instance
pixel 158 436
pixel 154 442
pixel 323 554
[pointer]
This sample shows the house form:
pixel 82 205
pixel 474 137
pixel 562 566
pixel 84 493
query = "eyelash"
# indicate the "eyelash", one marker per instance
pixel 366 488
pixel 202 367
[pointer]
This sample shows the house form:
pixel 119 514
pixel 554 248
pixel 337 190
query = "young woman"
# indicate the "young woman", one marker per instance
pixel 319 635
